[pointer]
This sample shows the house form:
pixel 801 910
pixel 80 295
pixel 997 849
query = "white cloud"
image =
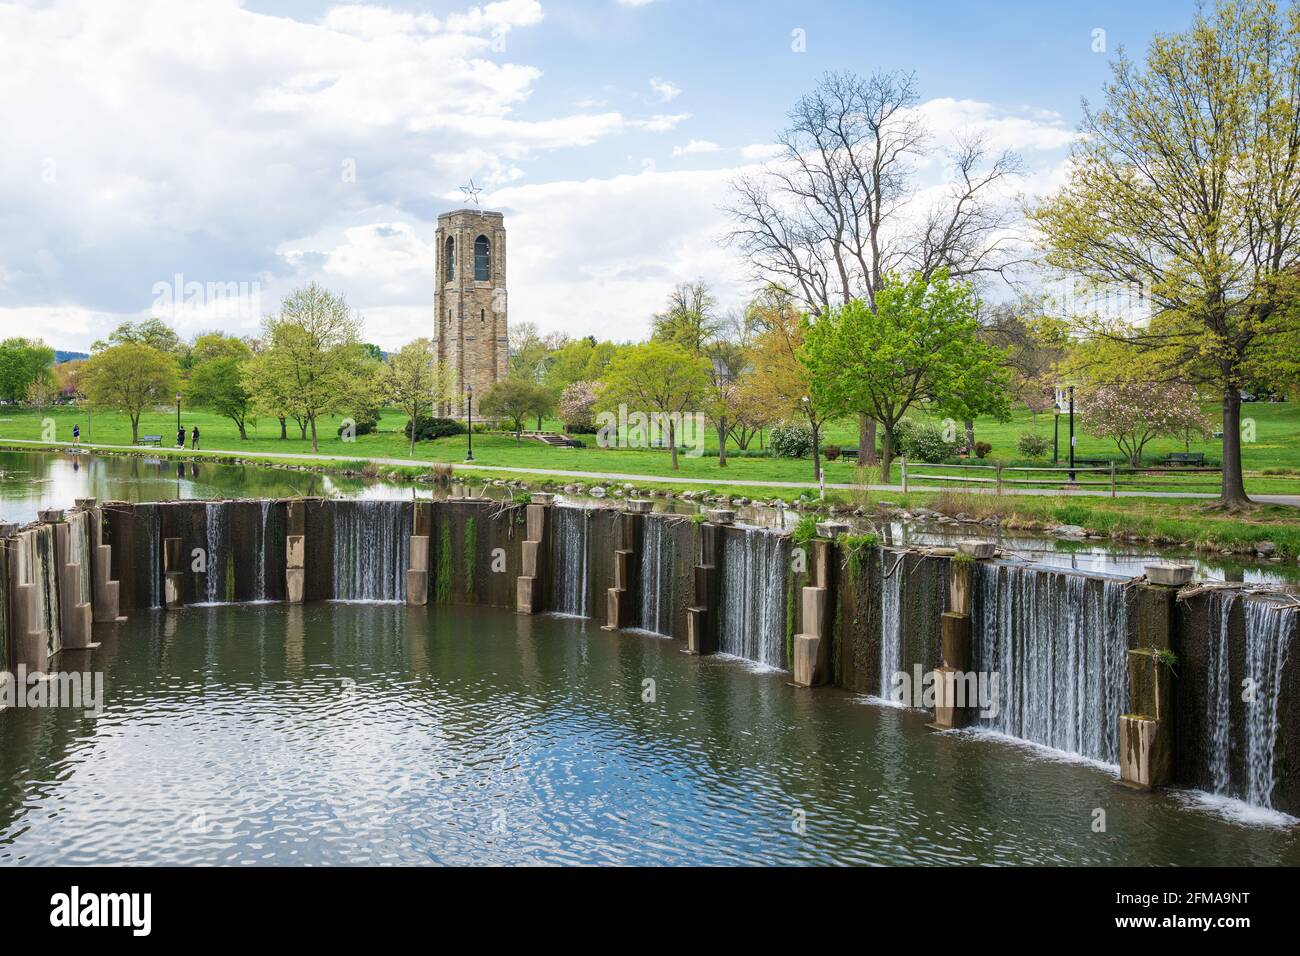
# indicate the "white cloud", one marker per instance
pixel 660 123
pixel 599 256
pixel 665 90
pixel 634 3
pixel 696 146
pixel 760 152
pixel 1025 131
pixel 158 138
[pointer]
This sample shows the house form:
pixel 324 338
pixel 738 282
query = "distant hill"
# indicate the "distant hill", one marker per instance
pixel 61 356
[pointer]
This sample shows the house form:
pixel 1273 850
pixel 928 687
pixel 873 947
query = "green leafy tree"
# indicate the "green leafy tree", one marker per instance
pixel 23 363
pixel 1186 185
pixel 920 345
pixel 660 379
pixel 314 363
pixel 217 378
pixel 417 382
pixel 579 360
pixel 153 332
pixel 130 378
pixel 516 400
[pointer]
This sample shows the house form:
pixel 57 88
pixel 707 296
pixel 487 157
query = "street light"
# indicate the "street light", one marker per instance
pixel 1056 433
pixel 178 419
pixel 469 415
pixel 1071 390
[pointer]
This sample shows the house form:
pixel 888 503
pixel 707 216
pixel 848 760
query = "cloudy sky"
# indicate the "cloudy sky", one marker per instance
pixel 146 146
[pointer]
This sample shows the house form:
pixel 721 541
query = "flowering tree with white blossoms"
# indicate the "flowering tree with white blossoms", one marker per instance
pixel 1133 413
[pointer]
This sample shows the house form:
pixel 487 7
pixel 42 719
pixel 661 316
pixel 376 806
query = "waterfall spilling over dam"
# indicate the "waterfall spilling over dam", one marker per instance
pixel 752 613
pixel 571 573
pixel 1059 644
pixel 893 573
pixel 1269 635
pixel 264 573
pixel 220 558
pixel 1244 680
pixel 371 546
pixel 1206 678
pixel 656 581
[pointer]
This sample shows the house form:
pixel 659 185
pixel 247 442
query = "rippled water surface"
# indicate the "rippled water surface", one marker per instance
pixel 371 734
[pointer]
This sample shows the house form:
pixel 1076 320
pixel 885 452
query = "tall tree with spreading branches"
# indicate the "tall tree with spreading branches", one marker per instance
pixel 1186 185
pixel 834 213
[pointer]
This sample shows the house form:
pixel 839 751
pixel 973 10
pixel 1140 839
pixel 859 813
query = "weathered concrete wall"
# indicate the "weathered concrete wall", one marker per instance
pixel 465 564
pixel 855 632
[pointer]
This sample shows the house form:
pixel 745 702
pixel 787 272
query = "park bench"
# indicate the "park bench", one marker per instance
pixel 150 440
pixel 1185 458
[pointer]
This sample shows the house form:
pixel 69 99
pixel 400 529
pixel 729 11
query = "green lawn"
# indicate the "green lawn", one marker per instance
pixel 1277 447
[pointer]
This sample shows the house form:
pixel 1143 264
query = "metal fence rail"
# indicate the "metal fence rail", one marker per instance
pixel 1111 475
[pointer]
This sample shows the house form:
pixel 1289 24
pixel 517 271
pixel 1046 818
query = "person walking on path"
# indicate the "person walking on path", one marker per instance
pixel 195 445
pixel 76 433
pixel 180 437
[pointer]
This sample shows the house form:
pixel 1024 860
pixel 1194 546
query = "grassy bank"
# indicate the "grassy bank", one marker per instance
pixel 1272 461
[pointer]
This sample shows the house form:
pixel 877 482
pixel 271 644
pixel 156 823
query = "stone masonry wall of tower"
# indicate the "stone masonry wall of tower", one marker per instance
pixel 469 302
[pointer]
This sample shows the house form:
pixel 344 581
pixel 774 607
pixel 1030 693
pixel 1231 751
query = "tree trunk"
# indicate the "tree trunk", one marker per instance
pixel 886 454
pixel 284 429
pixel 722 442
pixel 315 447
pixel 412 438
pixel 672 440
pixel 243 435
pixel 1233 492
pixel 970 437
pixel 817 458
pixel 135 429
pixel 539 422
pixel 866 439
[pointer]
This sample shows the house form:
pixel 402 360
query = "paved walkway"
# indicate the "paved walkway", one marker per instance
pixel 1293 500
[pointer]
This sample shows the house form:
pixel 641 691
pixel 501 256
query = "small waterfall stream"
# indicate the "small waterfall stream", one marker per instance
pixel 1217 689
pixel 570 574
pixel 217 522
pixel 754 580
pixel 1269 631
pixel 655 583
pixel 152 531
pixel 371 550
pixel 1059 645
pixel 893 571
pixel 262 550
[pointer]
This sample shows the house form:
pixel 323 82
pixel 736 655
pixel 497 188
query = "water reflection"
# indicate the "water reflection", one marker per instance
pixel 372 734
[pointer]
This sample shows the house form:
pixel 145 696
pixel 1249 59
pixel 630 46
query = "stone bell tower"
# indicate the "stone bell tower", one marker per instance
pixel 469 302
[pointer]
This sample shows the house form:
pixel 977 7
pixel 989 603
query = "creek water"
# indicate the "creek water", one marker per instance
pixel 378 733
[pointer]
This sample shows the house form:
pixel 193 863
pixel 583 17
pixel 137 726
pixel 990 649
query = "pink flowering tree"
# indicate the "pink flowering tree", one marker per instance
pixel 1133 413
pixel 576 409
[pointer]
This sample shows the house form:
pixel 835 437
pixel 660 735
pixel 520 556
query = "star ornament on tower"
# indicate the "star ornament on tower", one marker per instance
pixel 471 192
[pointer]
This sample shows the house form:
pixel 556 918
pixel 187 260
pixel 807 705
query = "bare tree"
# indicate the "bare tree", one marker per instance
pixel 834 213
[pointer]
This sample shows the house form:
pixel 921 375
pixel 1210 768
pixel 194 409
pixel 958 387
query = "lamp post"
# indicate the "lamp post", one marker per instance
pixel 469 415
pixel 1071 390
pixel 178 418
pixel 1056 433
